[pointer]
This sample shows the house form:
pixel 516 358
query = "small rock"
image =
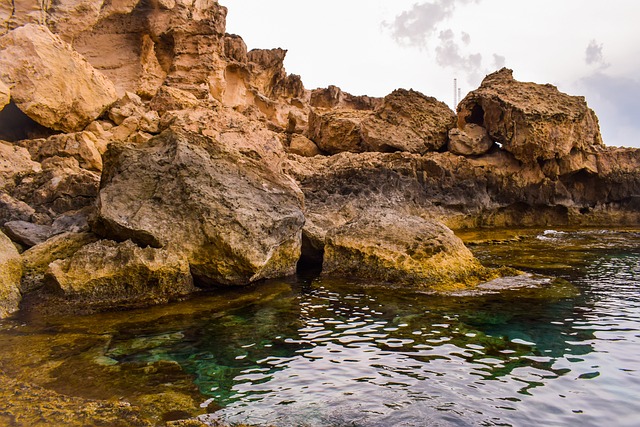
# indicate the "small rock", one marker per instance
pixel 27 233
pixel 473 140
pixel 14 210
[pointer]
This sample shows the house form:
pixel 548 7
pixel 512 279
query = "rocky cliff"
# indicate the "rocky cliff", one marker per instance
pixel 145 153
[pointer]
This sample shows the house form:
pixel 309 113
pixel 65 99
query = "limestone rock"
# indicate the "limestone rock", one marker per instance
pixel 408 121
pixel 105 274
pixel 334 98
pixel 170 98
pixel 473 140
pixel 404 121
pixel 235 220
pixel 36 260
pixel 27 233
pixel 61 186
pixel 303 146
pixel 337 131
pixel 50 82
pixel 82 146
pixel 10 274
pixel 14 210
pixel 390 247
pixel 5 95
pixel 15 163
pixel 531 121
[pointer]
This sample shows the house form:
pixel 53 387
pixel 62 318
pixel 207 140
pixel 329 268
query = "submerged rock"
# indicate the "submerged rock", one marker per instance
pixel 401 250
pixel 10 274
pixel 110 274
pixel 50 82
pixel 235 220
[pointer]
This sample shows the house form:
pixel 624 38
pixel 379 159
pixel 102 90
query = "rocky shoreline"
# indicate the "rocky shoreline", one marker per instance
pixel 146 154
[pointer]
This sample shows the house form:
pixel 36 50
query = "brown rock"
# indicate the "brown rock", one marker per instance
pixel 105 274
pixel 26 233
pixel 408 121
pixel 5 95
pixel 401 249
pixel 82 146
pixel 473 140
pixel 50 82
pixel 531 121
pixel 14 210
pixel 235 220
pixel 303 146
pixel 337 131
pixel 37 259
pixel 10 274
pixel 170 98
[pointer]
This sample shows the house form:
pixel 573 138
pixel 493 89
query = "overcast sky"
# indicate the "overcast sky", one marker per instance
pixel 370 47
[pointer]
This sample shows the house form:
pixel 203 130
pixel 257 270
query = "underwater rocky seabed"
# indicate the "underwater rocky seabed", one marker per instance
pixel 557 347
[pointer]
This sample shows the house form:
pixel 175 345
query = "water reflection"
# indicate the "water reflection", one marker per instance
pixel 324 352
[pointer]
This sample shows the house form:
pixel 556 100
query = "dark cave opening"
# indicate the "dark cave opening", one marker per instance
pixel 476 116
pixel 16 125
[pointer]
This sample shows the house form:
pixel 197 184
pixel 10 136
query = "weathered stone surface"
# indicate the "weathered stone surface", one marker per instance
pixel 82 146
pixel 61 186
pixel 337 131
pixel 27 233
pixel 400 249
pixel 333 97
pixel 50 82
pixel 15 163
pixel 107 274
pixel 10 274
pixel 36 260
pixel 532 121
pixel 235 219
pixel 473 140
pixel 408 121
pixel 404 121
pixel 14 210
pixel 5 95
pixel 303 146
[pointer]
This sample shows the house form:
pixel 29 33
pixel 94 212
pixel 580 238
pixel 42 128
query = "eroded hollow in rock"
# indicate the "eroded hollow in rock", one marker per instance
pixel 16 125
pixel 476 116
pixel 310 261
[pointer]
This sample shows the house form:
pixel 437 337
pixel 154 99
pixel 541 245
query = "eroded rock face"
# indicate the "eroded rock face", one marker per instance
pixel 50 82
pixel 402 249
pixel 10 274
pixel 5 95
pixel 234 219
pixel 531 121
pixel 405 120
pixel 106 274
pixel 473 140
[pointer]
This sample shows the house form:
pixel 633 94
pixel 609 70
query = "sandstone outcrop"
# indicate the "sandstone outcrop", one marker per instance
pixel 50 82
pixel 5 95
pixel 533 122
pixel 10 274
pixel 233 218
pixel 106 274
pixel 400 249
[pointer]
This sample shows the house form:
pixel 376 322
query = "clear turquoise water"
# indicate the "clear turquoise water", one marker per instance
pixel 323 352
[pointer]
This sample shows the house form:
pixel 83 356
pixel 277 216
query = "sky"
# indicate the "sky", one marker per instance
pixel 371 47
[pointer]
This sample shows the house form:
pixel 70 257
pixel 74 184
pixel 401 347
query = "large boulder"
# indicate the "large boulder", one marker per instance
pixel 10 274
pixel 50 82
pixel 234 218
pixel 405 120
pixel 105 273
pixel 408 121
pixel 532 121
pixel 473 140
pixel 403 249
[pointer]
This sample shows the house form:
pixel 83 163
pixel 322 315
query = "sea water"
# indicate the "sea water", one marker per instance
pixel 557 346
